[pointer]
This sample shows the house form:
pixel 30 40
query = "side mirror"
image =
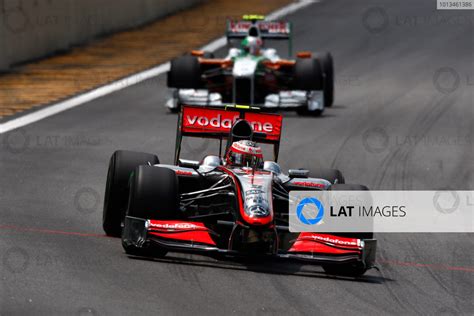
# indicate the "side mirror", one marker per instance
pixel 304 55
pixel 298 173
pixel 193 164
pixel 272 166
pixel 197 53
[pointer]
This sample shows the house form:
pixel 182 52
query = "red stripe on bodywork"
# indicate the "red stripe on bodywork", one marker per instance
pixel 179 230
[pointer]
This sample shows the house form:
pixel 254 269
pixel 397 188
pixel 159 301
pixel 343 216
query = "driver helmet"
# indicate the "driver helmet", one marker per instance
pixel 245 153
pixel 252 45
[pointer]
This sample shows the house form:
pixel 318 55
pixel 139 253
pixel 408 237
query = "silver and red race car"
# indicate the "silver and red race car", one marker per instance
pixel 253 74
pixel 231 203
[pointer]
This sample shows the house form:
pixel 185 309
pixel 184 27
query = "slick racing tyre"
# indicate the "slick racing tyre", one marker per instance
pixel 185 73
pixel 153 195
pixel 121 166
pixel 308 76
pixel 332 175
pixel 325 59
pixel 349 269
pixel 352 187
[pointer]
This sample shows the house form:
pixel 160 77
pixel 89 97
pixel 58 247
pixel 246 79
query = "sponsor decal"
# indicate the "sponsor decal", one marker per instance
pixel 269 124
pixel 183 172
pixel 265 27
pixel 175 226
pixel 309 184
pixel 187 232
pixel 336 241
pixel 200 120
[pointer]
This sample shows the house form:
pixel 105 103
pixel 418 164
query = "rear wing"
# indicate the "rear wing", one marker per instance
pixel 272 30
pixel 216 123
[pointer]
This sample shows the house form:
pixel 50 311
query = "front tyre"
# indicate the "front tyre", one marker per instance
pixel 185 73
pixel 308 76
pixel 153 195
pixel 121 165
pixel 349 269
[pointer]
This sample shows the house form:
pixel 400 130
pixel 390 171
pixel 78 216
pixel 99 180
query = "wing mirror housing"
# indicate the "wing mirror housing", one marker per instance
pixel 197 53
pixel 193 164
pixel 304 55
pixel 298 173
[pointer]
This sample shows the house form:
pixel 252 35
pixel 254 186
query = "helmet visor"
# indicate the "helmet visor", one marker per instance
pixel 245 160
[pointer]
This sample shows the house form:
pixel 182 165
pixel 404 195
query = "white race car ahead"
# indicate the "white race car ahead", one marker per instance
pixel 254 74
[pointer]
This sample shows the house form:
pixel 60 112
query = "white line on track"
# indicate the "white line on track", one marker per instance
pixel 127 81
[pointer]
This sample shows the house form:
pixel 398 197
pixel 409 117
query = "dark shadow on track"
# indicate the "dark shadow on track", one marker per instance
pixel 267 266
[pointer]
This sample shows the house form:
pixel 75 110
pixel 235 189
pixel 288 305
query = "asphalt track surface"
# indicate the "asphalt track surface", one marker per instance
pixel 403 119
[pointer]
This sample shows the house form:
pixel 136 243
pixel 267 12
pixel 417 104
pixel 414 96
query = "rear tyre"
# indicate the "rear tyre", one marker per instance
pixel 121 165
pixel 153 195
pixel 332 175
pixel 327 65
pixel 185 73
